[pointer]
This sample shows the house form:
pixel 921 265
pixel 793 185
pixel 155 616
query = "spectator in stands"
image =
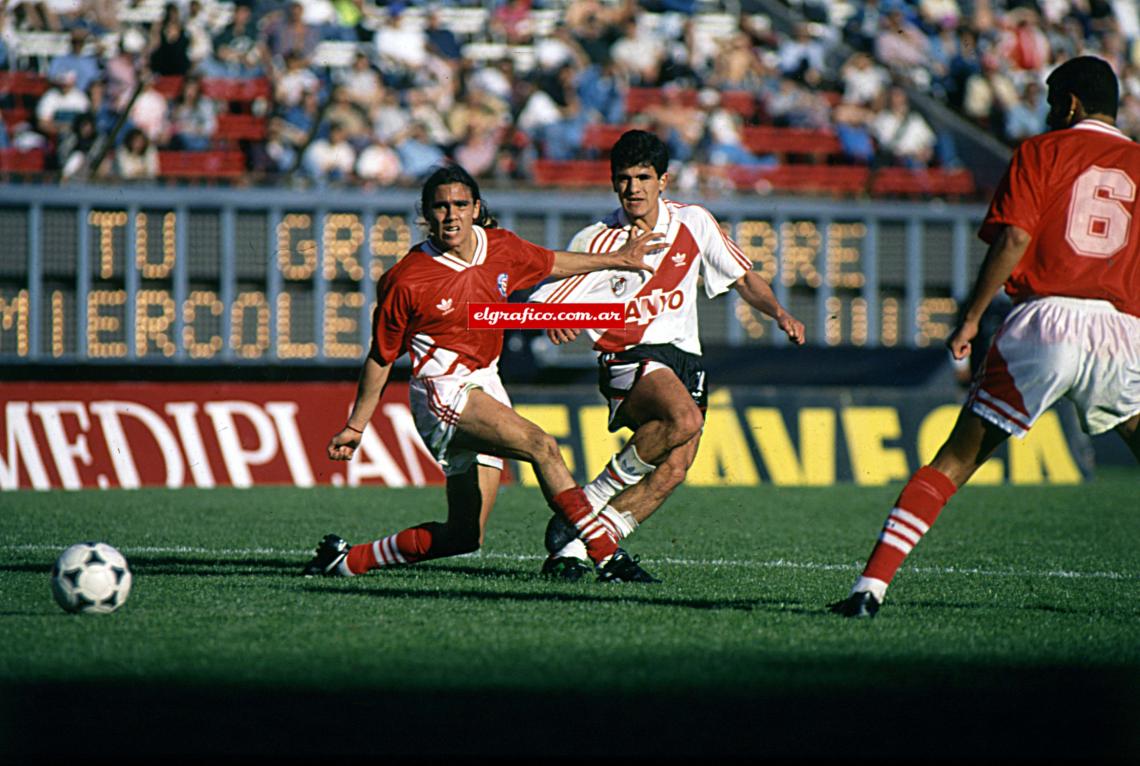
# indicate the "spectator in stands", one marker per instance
pixel 1022 42
pixel 794 106
pixel 104 112
pixel 121 75
pixel 150 113
pixel 354 120
pixel 853 129
pixel 349 20
pixel 862 28
pixel 194 117
pixel 902 47
pixel 197 25
pixel 553 116
pixel 278 153
pixel 802 56
pixel 136 159
pixel 330 159
pixel 75 148
pixel 378 164
pixel 496 78
pixel 479 123
pixel 863 80
pixel 286 34
pixel 903 135
pixel 989 94
pixel 237 51
pixel 362 84
pixel 736 66
pixel 638 54
pixel 681 126
pixel 59 105
pixel 441 41
pixel 390 121
pixel 85 66
pixel 595 28
pixel 401 46
pixel 418 155
pixel 726 140
pixel 510 22
pixel 169 50
pixel 1026 117
pixel 295 82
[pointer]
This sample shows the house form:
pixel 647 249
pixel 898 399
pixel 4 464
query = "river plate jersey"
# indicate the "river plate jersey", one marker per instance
pixel 422 302
pixel 660 308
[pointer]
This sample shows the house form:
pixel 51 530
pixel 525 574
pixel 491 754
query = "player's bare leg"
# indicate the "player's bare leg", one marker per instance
pixel 667 418
pixel 1129 431
pixel 644 498
pixel 486 425
pixel 969 445
pixel 470 498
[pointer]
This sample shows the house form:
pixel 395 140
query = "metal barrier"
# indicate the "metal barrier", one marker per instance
pixel 224 275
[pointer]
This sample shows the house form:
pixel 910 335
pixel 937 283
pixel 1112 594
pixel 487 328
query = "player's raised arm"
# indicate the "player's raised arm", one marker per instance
pixel 758 294
pixel 369 387
pixel 630 256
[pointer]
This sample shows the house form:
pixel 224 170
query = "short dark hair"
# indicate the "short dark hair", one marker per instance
pixel 638 147
pixel 1090 79
pixel 454 174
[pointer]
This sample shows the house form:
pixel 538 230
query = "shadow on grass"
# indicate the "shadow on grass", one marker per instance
pixel 989 714
pixel 616 594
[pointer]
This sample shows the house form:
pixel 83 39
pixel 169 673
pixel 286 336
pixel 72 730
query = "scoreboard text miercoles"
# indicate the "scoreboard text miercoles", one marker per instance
pixel 299 285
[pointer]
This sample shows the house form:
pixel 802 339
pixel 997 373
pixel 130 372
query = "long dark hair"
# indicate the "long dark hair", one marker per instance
pixel 454 174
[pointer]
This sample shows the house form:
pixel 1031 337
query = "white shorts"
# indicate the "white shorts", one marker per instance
pixel 1054 347
pixel 438 402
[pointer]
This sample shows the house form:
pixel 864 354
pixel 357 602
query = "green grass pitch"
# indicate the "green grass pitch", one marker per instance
pixel 1013 631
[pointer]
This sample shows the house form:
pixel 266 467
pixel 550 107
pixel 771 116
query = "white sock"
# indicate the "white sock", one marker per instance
pixel 624 524
pixel 625 469
pixel 877 588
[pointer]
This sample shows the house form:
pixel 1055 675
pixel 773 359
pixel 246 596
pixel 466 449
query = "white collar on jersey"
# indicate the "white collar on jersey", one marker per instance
pixel 458 264
pixel 664 217
pixel 1099 127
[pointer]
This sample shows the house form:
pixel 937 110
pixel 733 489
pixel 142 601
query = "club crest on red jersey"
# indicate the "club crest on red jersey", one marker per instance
pixel 502 282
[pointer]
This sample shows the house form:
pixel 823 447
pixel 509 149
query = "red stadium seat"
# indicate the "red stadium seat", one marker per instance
pixel 834 180
pixel 23 84
pixel 168 85
pixel 601 138
pixel 637 100
pixel 240 127
pixel 17 162
pixel 816 144
pixel 201 165
pixel 933 182
pixel 576 173
pixel 742 102
pixel 239 92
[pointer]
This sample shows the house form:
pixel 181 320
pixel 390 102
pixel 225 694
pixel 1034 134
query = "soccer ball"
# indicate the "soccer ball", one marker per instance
pixel 90 578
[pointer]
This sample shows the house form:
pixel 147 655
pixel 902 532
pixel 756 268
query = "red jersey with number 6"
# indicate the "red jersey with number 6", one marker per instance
pixel 1077 193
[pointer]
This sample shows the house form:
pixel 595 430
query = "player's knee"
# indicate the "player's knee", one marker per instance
pixel 684 425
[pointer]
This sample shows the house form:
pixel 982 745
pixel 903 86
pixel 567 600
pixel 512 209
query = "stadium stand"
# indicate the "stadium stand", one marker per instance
pixel 539 94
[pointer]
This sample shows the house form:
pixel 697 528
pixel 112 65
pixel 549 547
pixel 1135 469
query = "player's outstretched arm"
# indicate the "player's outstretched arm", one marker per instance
pixel 758 294
pixel 369 387
pixel 630 257
pixel 1003 255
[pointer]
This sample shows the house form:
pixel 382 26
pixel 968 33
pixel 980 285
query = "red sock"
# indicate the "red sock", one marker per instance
pixel 919 504
pixel 405 547
pixel 600 538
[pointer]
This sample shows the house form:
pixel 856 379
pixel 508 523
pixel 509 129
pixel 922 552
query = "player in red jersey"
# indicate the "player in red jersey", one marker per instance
pixel 650 370
pixel 458 402
pixel 1064 238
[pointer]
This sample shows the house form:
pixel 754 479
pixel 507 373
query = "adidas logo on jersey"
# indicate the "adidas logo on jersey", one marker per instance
pixel 679 259
pixel 445 306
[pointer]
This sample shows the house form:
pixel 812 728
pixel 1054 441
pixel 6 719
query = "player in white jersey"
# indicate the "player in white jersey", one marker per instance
pixel 650 370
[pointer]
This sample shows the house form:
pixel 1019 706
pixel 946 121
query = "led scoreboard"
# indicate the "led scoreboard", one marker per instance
pixel 203 275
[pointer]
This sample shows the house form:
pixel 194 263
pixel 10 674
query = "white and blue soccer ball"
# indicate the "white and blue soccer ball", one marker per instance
pixel 92 578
